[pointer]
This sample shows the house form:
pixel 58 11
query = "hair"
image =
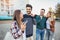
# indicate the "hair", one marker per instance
pixel 43 9
pixel 17 16
pixel 28 5
pixel 50 12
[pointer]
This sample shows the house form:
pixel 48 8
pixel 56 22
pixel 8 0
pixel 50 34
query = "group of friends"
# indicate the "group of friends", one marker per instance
pixel 22 25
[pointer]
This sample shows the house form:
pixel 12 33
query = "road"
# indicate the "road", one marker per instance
pixel 5 26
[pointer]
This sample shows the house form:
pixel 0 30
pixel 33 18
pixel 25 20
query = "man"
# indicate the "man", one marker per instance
pixel 41 25
pixel 30 21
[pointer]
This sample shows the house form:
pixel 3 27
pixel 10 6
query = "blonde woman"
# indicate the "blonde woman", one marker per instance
pixel 50 23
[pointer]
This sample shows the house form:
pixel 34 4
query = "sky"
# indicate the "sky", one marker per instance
pixel 38 4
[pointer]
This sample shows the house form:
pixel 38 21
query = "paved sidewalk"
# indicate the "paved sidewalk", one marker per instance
pixel 5 26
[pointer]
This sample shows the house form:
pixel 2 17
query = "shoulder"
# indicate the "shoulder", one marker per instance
pixel 52 19
pixel 45 18
pixel 37 16
pixel 25 15
pixel 13 23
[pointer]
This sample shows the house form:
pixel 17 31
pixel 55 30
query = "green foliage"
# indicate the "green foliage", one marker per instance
pixel 58 10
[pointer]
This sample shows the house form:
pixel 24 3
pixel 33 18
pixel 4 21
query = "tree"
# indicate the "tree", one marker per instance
pixel 58 10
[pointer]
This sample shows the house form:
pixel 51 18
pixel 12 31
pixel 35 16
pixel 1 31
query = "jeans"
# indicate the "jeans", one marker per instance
pixel 49 34
pixel 40 34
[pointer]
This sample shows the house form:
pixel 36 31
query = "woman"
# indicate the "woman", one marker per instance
pixel 50 26
pixel 18 27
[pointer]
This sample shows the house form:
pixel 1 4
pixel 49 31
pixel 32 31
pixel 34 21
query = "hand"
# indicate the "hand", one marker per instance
pixel 33 15
pixel 23 26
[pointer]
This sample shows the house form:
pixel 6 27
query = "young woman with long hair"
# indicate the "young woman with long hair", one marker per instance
pixel 18 27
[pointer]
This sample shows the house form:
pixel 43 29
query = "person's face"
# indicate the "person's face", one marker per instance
pixel 21 15
pixel 28 10
pixel 48 15
pixel 42 12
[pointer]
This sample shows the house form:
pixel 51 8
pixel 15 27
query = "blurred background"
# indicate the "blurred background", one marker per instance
pixel 7 8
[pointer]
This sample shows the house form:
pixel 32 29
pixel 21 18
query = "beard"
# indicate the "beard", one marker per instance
pixel 29 12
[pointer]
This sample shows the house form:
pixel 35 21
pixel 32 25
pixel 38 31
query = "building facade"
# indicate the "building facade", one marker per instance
pixel 7 7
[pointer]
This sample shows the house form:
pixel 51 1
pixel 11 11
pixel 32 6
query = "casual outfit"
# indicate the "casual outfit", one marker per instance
pixel 41 25
pixel 16 31
pixel 29 26
pixel 50 29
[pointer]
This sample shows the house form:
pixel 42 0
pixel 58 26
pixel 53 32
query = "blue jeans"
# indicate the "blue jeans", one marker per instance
pixel 40 33
pixel 49 34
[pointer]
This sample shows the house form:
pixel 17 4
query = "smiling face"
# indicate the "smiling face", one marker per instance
pixel 21 15
pixel 42 11
pixel 49 14
pixel 28 10
pixel 18 16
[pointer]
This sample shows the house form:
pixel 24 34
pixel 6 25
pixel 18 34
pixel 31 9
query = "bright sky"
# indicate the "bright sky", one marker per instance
pixel 38 4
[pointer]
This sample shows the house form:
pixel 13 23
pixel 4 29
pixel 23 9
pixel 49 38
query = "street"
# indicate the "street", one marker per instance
pixel 5 26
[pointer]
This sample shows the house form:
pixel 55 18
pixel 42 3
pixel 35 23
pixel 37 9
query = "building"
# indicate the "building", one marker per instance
pixel 7 7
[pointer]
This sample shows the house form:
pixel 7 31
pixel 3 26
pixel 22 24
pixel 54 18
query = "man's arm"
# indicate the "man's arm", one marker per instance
pixel 34 21
pixel 45 22
pixel 34 18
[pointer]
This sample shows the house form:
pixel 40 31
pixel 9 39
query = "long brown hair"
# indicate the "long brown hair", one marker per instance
pixel 17 17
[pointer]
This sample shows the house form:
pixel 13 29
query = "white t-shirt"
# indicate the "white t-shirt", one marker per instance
pixel 48 23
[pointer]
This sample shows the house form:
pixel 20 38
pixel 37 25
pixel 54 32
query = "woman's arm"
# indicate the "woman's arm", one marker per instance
pixel 23 27
pixel 52 22
pixel 15 31
pixel 52 25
